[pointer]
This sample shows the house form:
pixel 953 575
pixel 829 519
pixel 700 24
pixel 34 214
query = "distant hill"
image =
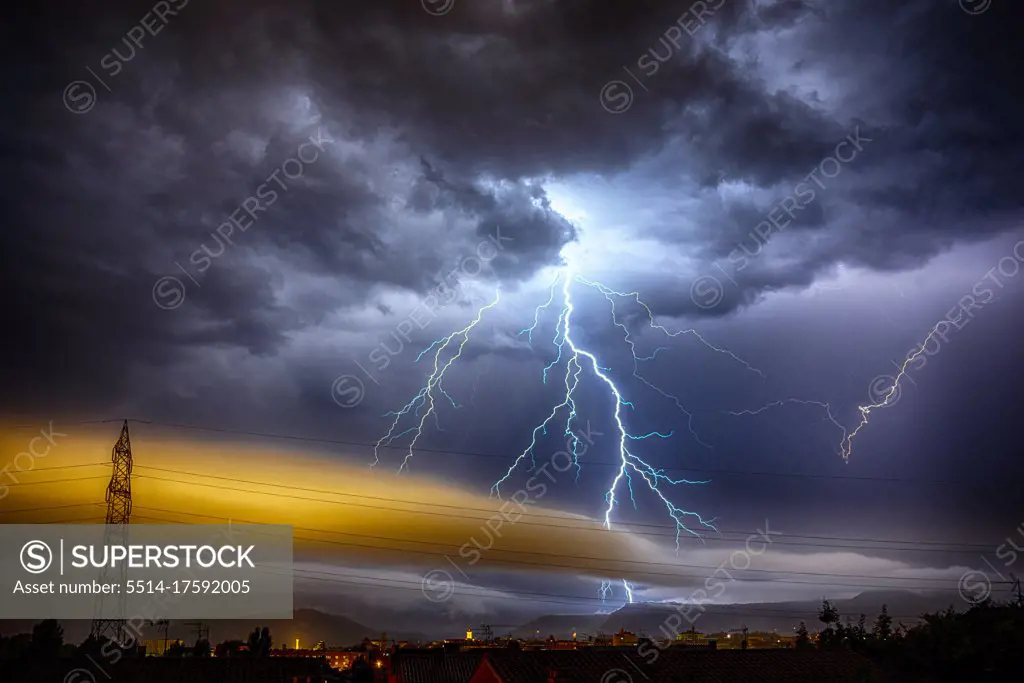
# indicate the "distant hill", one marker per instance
pixel 648 618
pixel 309 626
pixel 562 626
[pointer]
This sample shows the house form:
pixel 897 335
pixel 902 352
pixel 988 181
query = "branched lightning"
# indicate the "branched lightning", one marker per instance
pixel 631 468
pixel 425 397
pixel 630 463
pixel 845 448
pixel 608 293
pixel 778 404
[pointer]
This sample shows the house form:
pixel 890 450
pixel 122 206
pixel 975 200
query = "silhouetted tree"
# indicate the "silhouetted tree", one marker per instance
pixel 857 636
pixel 803 640
pixel 47 638
pixel 883 625
pixel 229 648
pixel 982 644
pixel 361 671
pixel 266 642
pixel 201 648
pixel 832 632
pixel 260 642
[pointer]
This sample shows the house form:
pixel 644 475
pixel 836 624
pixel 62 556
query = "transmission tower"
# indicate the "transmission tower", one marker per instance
pixel 119 510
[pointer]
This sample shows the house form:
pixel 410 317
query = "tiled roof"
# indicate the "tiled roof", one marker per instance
pixel 437 667
pixel 762 666
pixel 680 665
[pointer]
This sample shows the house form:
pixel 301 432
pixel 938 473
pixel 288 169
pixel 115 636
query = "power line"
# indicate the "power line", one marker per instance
pixel 568 518
pixel 601 569
pixel 558 555
pixel 966 546
pixel 369 580
pixel 958 549
pixel 67 424
pixel 754 612
pixel 64 467
pixel 50 507
pixel 57 481
pixel 535 524
pixel 358 444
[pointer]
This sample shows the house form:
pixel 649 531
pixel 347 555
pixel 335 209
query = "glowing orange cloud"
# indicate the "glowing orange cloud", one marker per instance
pixel 340 512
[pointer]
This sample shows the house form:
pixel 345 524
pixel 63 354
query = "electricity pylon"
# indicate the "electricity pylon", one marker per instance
pixel 119 511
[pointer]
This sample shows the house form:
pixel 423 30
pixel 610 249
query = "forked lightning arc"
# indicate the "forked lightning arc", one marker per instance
pixel 574 360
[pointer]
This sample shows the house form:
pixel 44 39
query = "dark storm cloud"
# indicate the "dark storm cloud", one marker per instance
pixel 518 215
pixel 445 131
pixel 945 147
pixel 458 120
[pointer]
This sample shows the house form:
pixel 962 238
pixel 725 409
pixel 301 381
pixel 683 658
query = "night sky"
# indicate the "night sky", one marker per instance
pixel 254 217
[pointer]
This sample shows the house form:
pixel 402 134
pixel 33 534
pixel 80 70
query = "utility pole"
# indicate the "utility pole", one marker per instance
pixel 119 510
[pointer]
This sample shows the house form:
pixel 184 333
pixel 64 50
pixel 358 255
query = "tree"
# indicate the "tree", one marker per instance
pixel 265 641
pixel 803 640
pixel 857 636
pixel 47 638
pixel 883 625
pixel 362 672
pixel 201 648
pixel 982 644
pixel 832 631
pixel 260 642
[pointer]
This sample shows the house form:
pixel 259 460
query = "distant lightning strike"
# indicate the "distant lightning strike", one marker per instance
pixel 846 444
pixel 777 404
pixel 629 590
pixel 865 411
pixel 631 467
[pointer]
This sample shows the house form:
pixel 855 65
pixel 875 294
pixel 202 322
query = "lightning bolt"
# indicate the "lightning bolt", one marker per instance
pixel 605 591
pixel 782 402
pixel 865 411
pixel 845 448
pixel 575 360
pixel 578 357
pixel 426 395
pixel 629 590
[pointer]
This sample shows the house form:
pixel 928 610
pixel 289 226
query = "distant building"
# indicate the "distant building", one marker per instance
pixel 158 647
pixel 756 640
pixel 624 637
pixel 340 659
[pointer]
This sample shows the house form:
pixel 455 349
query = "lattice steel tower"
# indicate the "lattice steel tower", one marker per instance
pixel 119 511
